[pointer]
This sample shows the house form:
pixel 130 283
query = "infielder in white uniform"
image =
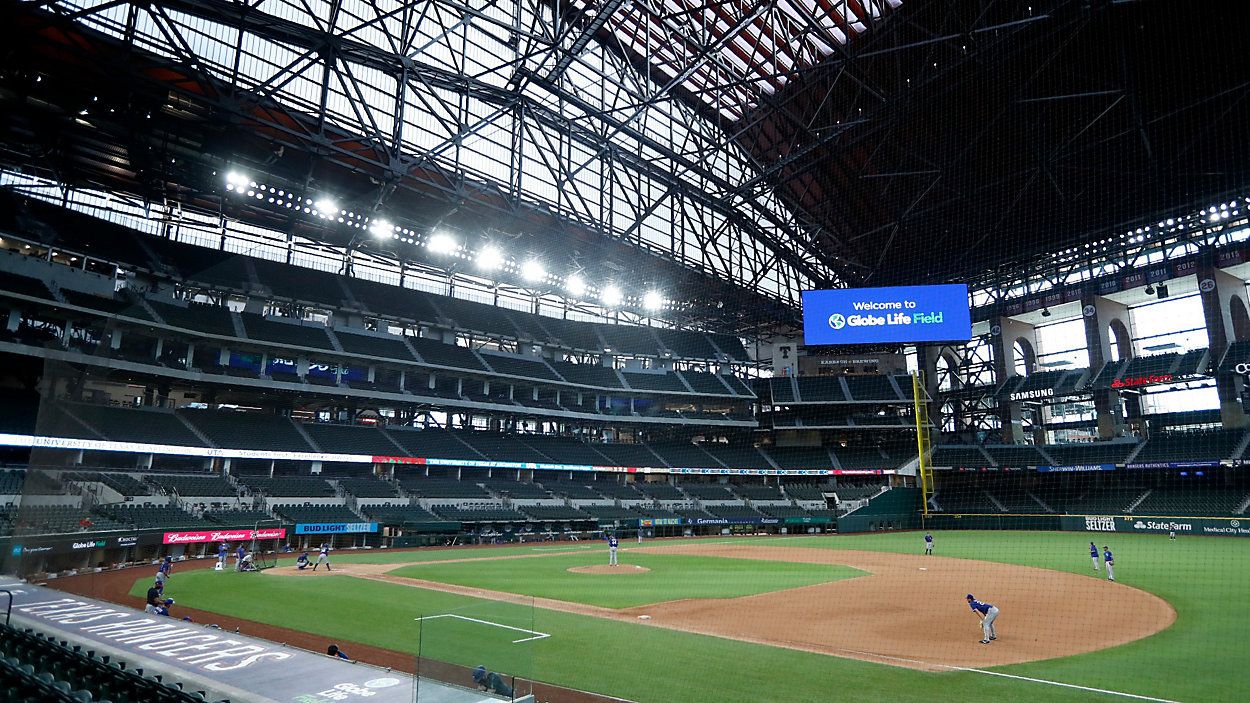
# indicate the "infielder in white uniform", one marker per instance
pixel 323 557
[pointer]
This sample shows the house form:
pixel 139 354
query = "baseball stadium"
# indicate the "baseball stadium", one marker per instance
pixel 624 351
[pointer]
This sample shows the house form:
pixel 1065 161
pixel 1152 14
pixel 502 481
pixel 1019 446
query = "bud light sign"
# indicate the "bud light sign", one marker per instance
pixel 887 315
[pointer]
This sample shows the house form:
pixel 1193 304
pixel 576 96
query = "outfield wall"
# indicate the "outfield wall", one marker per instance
pixel 1122 524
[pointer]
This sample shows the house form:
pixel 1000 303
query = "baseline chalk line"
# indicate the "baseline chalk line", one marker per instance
pixel 536 634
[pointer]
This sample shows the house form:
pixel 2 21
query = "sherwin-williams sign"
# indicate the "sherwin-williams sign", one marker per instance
pixel 887 315
pixel 197 536
pixel 335 528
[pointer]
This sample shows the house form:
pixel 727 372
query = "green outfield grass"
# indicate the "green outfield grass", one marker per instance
pixel 671 576
pixel 1200 658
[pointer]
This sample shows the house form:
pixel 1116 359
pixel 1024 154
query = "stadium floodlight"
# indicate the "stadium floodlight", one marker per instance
pixel 380 228
pixel 236 179
pixel 442 243
pixel 489 258
pixel 611 296
pixel 575 285
pixel 325 207
pixel 533 270
pixel 652 300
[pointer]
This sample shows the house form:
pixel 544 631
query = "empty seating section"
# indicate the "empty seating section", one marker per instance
pixel 368 488
pixel 1098 502
pixel 294 333
pixel 865 387
pixel 732 511
pixel 351 439
pixel 1237 353
pixel 588 374
pixel 782 390
pixel 849 492
pixel 516 489
pixel 433 443
pixel 629 455
pixel 959 456
pixel 398 514
pixel 434 488
pixel 569 489
pixel 384 346
pixel 572 333
pixel 625 339
pixel 705 383
pixel 238 518
pixel 11 482
pixel 684 343
pixel 391 301
pixel 197 317
pixel 730 345
pixel 737 456
pixel 620 491
pixel 1191 502
pixel 47 519
pixel 1155 364
pixel 1016 456
pixel 1189 446
pixel 609 512
pixel 247 430
pixel 298 283
pixel 520 366
pixel 563 450
pixel 707 491
pixel 783 511
pixel 110 305
pixel 25 285
pixel 866 458
pixel 553 512
pixel 440 354
pixel 293 487
pixel 133 425
pixel 684 455
pixel 667 382
pixel 150 517
pixel 964 497
pixel 1039 380
pixel 501 447
pixel 1192 362
pixel 737 385
pixel 801 457
pixel 819 389
pixel 195 486
pixel 755 491
pixel 659 490
pixel 295 512
pixel 1108 373
pixel 895 501
pixel 804 491
pixel 125 484
pixel 40 668
pixel 1090 453
pixel 482 514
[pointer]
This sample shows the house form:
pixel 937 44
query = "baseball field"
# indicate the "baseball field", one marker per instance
pixel 787 618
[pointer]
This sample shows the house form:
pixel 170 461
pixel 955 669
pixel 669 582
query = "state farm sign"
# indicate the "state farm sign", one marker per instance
pixel 1135 381
pixel 198 536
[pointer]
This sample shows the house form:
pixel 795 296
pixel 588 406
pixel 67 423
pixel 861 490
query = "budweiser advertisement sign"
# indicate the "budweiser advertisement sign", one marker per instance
pixel 197 536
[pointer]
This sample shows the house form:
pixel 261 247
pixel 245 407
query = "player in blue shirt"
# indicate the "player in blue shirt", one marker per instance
pixel 222 550
pixel 928 544
pixel 238 557
pixel 988 614
pixel 1109 561
pixel 1093 555
pixel 612 544
pixel 302 562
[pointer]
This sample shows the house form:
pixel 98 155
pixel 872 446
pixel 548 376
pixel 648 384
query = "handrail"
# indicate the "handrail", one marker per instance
pixel 8 610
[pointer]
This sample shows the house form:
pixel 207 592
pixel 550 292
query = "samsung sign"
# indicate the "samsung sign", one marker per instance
pixel 886 315
pixel 335 528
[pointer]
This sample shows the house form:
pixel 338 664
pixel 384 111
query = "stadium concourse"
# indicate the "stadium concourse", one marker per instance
pixel 631 350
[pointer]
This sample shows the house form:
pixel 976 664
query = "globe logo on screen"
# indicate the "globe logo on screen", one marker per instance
pixel 837 321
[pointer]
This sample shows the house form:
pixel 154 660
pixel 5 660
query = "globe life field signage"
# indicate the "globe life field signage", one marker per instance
pixel 887 315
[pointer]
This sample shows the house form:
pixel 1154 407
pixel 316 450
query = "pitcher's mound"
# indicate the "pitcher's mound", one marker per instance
pixel 605 569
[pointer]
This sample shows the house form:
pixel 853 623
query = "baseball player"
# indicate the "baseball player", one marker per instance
pixel 238 557
pixel 1109 561
pixel 1093 555
pixel 988 614
pixel 928 544
pixel 160 577
pixel 612 544
pixel 1172 535
pixel 323 557
pixel 222 550
pixel 302 562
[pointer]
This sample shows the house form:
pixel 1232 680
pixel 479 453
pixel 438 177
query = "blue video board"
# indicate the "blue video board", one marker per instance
pixel 887 315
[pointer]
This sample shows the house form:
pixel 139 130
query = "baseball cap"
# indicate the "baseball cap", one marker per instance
pixel 169 601
pixel 970 597
pixel 479 673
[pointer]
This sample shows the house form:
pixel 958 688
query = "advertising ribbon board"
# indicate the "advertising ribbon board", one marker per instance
pixel 199 536
pixel 335 528
pixel 887 315
pixel 1182 526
